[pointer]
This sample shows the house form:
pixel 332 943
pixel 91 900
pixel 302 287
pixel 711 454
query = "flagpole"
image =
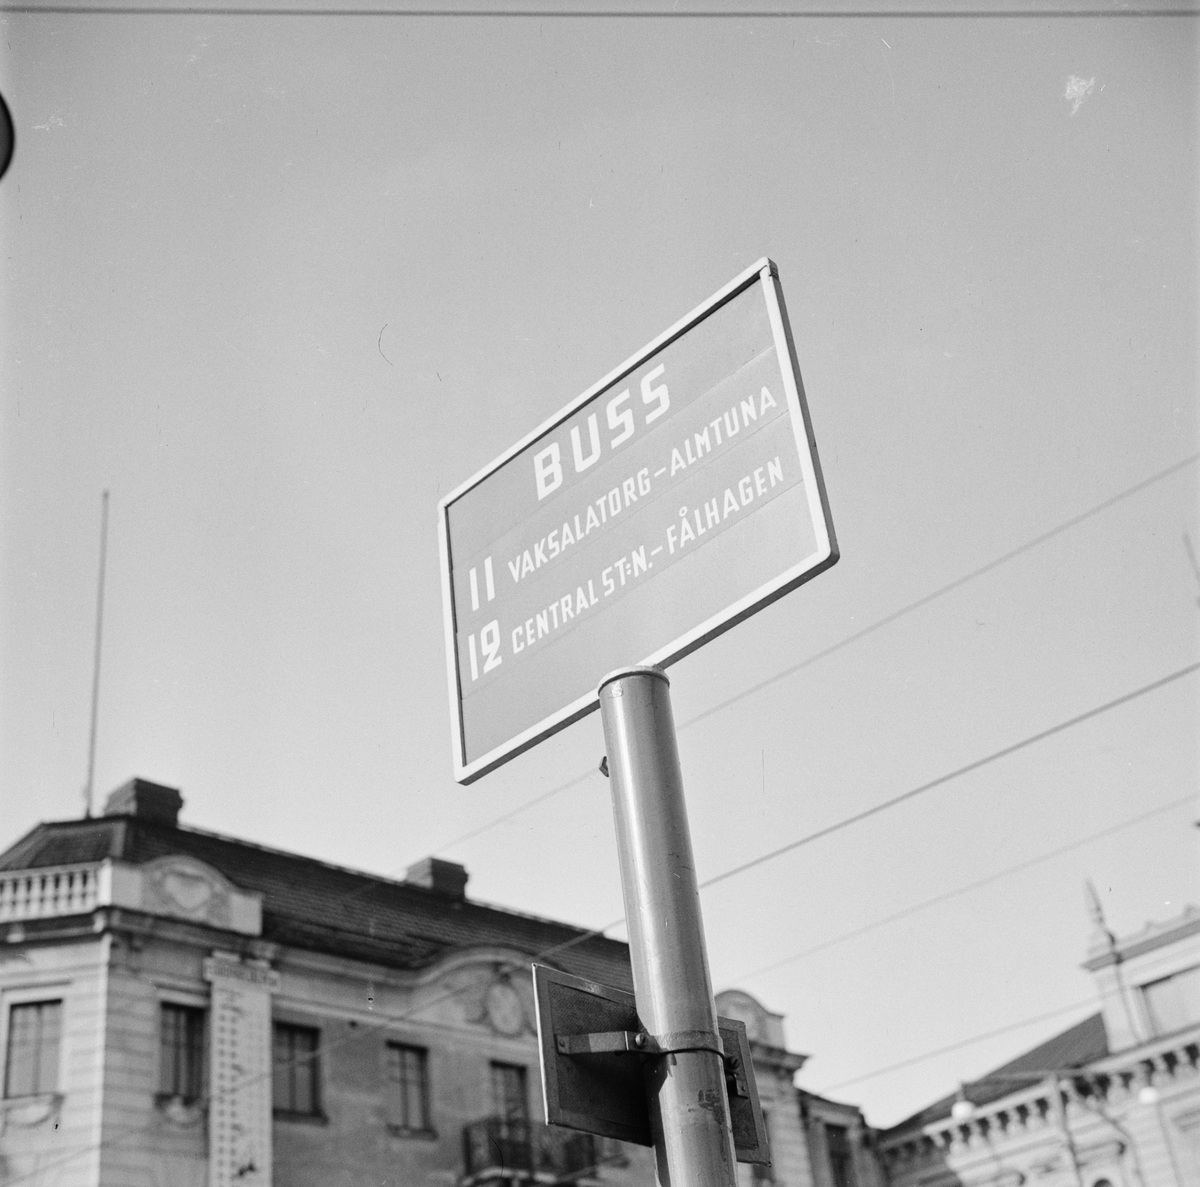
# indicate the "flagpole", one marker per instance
pixel 87 791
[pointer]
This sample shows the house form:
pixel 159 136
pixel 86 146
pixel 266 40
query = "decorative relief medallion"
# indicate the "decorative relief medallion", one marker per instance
pixel 186 889
pixel 504 1009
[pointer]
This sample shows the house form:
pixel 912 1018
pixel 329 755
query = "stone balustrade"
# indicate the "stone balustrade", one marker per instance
pixel 1112 1081
pixel 58 890
pixel 176 886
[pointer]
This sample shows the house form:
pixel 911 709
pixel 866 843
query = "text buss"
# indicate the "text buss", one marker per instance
pixel 671 500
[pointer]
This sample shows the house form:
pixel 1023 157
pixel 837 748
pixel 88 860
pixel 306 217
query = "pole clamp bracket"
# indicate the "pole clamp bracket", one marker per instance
pixel 639 1042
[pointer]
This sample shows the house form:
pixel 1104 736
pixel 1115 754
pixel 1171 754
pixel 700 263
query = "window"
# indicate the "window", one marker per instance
pixel 1173 1002
pixel 34 1034
pixel 295 1070
pixel 509 1133
pixel 509 1098
pixel 841 1160
pixel 407 1088
pixel 181 1052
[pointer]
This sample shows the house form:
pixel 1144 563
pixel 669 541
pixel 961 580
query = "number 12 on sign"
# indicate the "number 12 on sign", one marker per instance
pixel 489 644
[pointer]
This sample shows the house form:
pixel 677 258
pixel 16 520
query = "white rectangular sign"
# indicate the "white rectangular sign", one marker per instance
pixel 674 498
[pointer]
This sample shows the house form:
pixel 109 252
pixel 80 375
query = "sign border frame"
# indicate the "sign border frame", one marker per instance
pixel 825 555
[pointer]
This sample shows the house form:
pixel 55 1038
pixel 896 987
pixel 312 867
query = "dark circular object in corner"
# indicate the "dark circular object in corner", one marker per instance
pixel 7 137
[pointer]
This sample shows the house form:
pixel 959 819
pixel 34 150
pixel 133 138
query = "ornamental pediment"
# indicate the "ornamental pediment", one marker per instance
pixel 488 987
pixel 181 887
pixel 762 1025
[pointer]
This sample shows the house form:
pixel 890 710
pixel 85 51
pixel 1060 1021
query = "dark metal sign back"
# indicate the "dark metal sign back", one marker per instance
pixel 593 1051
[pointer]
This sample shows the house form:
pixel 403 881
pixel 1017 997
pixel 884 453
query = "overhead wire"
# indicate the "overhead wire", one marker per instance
pixel 1004 558
pixel 391 1020
pixel 960 1044
pixel 824 653
pixel 912 793
pixel 950 587
pixel 129 1135
pixel 385 1021
pixel 525 806
pixel 958 891
pixel 967 768
pixel 909 608
pixel 367 1027
pixel 592 13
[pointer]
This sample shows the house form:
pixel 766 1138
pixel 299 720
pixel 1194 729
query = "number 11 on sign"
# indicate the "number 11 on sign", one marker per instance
pixel 489 581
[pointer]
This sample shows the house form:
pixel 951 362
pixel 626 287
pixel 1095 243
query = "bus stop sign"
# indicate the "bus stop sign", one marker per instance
pixel 671 500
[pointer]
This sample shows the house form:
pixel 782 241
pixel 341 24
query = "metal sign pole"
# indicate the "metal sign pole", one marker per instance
pixel 685 1086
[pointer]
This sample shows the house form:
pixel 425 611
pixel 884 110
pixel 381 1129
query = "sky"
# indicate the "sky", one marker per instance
pixel 279 282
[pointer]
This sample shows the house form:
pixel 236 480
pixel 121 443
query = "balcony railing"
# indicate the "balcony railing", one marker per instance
pixel 510 1150
pixel 167 886
pixel 36 894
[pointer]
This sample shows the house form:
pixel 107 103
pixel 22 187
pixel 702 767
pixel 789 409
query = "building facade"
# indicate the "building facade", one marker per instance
pixel 1113 1101
pixel 188 1009
pixel 815 1142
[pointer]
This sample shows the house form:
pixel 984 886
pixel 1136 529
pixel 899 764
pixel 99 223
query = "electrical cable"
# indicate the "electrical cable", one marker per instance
pixel 941 591
pixel 956 1046
pixel 318 10
pixel 510 966
pixel 367 1027
pixel 912 793
pixel 999 875
pixel 837 826
pixel 371 1028
pixel 1003 752
pixel 887 620
pixel 537 799
pixel 870 629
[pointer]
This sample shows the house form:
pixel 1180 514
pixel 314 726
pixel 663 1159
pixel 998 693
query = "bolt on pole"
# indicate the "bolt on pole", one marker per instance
pixel 685 1087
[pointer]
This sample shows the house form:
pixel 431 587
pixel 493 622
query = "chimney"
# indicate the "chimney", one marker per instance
pixel 442 877
pixel 151 801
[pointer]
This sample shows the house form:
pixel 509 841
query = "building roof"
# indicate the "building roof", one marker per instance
pixel 1107 950
pixel 1074 1047
pixel 313 905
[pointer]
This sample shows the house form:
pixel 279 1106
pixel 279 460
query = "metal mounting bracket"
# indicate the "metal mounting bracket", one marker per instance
pixel 620 1042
